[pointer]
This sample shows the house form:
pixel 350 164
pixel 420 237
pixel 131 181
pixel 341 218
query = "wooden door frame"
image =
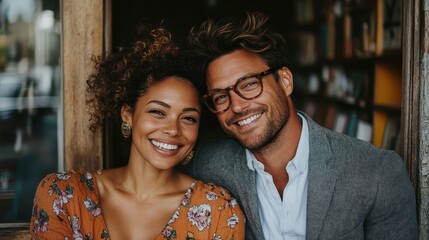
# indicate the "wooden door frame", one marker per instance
pixel 86 32
pixel 410 86
pixel 415 103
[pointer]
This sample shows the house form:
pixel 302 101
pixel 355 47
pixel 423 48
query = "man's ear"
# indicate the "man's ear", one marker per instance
pixel 286 80
pixel 126 114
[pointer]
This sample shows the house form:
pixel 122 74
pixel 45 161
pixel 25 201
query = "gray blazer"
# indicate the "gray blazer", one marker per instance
pixel 355 190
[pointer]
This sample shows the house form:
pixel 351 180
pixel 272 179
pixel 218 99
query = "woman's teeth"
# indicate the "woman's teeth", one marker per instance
pixel 164 146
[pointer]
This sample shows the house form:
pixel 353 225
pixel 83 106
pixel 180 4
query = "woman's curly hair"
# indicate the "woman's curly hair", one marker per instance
pixel 123 76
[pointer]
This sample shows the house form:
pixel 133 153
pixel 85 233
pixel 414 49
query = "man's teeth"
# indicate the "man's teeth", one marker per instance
pixel 164 145
pixel 249 120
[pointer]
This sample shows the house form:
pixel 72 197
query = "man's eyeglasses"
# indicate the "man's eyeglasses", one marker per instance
pixel 249 87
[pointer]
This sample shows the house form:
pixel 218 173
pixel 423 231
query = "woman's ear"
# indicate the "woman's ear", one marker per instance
pixel 126 114
pixel 286 80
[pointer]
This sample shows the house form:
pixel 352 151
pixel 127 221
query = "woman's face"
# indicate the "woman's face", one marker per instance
pixel 164 123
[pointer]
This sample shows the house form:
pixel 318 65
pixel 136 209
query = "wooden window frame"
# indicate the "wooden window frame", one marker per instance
pixel 84 33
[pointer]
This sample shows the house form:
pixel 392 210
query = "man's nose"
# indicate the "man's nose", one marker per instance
pixel 238 104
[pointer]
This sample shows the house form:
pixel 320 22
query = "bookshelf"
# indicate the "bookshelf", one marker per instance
pixel 347 66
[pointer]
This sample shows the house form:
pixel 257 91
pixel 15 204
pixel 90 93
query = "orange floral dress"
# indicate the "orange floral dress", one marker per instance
pixel 67 206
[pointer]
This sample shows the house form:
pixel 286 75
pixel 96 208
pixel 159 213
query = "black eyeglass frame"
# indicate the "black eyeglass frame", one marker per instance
pixel 258 76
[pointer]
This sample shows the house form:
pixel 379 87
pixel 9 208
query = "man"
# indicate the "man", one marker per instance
pixel 293 178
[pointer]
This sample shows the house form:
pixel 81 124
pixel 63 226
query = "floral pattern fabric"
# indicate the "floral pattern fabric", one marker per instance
pixel 66 206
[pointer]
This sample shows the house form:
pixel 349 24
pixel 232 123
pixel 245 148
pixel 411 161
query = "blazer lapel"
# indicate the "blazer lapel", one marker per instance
pixel 246 189
pixel 321 180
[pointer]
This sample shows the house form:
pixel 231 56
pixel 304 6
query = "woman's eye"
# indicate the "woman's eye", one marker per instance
pixel 190 119
pixel 156 112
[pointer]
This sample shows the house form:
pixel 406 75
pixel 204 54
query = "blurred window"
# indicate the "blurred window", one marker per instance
pixel 30 83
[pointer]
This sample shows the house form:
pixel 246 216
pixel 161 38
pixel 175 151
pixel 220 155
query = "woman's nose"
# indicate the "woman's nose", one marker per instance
pixel 171 128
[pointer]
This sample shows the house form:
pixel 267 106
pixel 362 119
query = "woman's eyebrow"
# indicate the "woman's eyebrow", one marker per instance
pixel 159 103
pixel 191 109
pixel 188 109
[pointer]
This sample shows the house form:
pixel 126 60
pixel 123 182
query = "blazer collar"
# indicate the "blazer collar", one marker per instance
pixel 246 186
pixel 322 176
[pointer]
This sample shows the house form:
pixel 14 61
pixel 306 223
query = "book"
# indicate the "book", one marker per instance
pixel 391 132
pixel 352 124
pixel 330 116
pixel 363 33
pixel 304 11
pixel 364 131
pixel 388 83
pixel 340 122
pixel 389 25
pixel 392 16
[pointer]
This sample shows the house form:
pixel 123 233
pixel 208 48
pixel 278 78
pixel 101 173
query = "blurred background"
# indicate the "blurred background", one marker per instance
pixel 30 82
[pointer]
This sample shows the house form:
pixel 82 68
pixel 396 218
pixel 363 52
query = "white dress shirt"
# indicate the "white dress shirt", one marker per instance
pixel 284 219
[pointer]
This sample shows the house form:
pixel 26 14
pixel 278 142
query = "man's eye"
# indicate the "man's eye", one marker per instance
pixel 220 98
pixel 249 84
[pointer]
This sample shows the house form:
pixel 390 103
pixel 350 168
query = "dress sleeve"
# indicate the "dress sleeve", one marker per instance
pixel 231 222
pixel 49 217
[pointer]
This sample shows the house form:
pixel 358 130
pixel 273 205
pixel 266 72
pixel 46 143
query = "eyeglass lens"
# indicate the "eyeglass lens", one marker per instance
pixel 247 88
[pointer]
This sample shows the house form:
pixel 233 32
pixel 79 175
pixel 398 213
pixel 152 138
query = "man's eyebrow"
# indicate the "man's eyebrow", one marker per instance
pixel 239 79
pixel 246 76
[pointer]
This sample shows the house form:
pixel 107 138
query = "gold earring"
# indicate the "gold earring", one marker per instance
pixel 188 158
pixel 125 129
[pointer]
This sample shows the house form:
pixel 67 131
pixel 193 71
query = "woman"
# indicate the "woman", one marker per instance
pixel 147 198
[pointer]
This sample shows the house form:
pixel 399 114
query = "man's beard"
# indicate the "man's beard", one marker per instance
pixel 271 131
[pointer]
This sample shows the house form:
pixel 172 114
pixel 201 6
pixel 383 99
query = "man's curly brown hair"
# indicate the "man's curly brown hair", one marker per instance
pixel 123 76
pixel 217 37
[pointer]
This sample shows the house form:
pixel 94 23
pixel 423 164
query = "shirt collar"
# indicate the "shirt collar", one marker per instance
pixel 300 160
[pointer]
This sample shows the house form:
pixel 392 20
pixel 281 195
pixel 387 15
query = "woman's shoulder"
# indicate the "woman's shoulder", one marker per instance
pixel 69 180
pixel 66 197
